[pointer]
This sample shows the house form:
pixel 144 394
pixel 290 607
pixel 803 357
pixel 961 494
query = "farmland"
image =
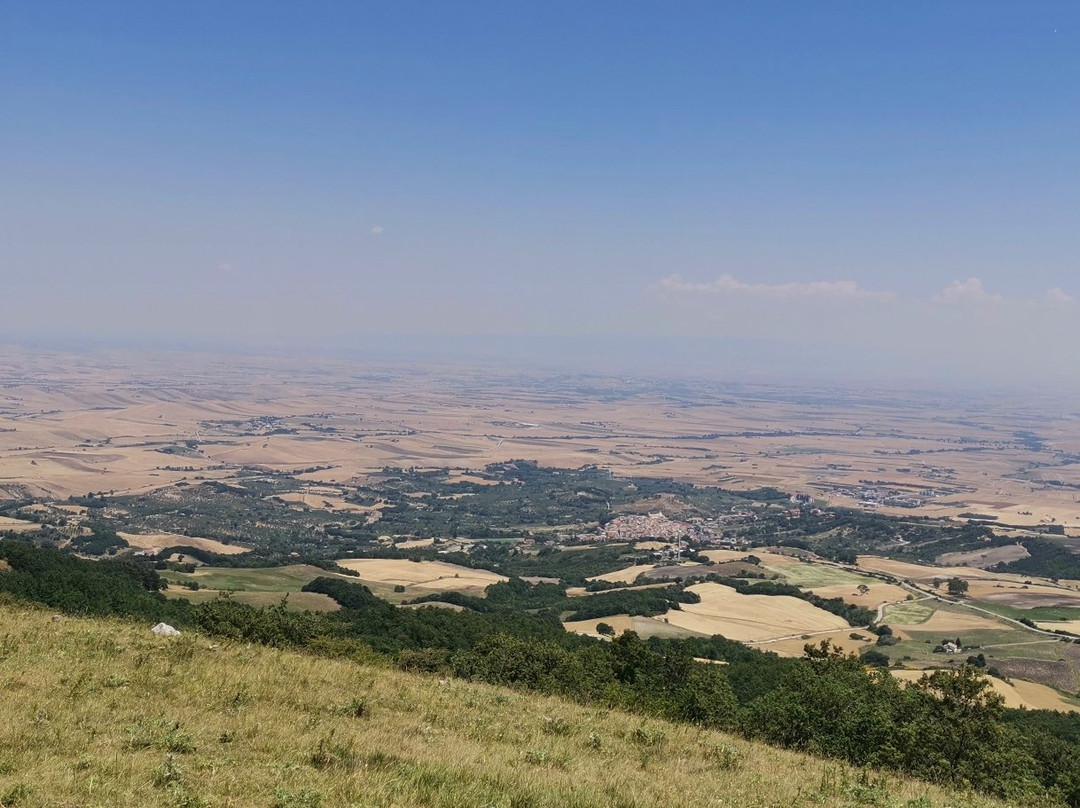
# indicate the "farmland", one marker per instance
pixel 387 737
pixel 120 424
pixel 429 576
pixel 256 587
pixel 244 478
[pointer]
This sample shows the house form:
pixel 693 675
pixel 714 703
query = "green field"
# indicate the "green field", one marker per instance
pixel 1006 643
pixel 807 575
pixel 909 613
pixel 109 715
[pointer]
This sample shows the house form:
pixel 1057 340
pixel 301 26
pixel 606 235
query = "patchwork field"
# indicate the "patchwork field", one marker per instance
pixel 984 558
pixel 427 575
pixel 750 618
pixel 17 525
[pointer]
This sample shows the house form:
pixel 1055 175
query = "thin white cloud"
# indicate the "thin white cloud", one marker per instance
pixel 1059 295
pixel 969 292
pixel 728 284
pixel 377 230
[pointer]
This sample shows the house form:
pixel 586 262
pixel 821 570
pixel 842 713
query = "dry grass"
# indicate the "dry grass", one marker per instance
pixel 624 576
pixel 102 713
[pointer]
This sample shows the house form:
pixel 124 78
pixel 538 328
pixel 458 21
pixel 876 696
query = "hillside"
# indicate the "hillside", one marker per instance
pixel 102 712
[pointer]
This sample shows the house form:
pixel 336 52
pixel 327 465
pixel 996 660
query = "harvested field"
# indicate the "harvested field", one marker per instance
pixel 17 525
pixel 766 558
pixel 841 639
pixel 411 544
pixel 430 575
pixel 984 558
pixel 159 541
pixel 1018 693
pixel 326 502
pixel 809 575
pixel 1072 626
pixel 121 423
pixel 624 576
pixel 724 611
pixel 1022 596
pixel 918 572
pixel 644 626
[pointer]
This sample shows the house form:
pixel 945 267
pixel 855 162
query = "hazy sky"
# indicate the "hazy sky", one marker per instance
pixel 896 182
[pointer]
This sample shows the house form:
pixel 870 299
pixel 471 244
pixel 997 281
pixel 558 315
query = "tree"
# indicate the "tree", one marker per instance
pixel 863 589
pixel 874 657
pixel 957 587
pixel 605 630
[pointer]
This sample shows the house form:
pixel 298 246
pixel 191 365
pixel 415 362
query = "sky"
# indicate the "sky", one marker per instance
pixel 828 187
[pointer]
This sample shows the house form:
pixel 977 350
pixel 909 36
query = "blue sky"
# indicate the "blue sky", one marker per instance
pixel 898 176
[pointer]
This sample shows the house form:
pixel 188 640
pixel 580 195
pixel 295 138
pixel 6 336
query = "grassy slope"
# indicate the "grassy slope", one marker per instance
pixel 102 713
